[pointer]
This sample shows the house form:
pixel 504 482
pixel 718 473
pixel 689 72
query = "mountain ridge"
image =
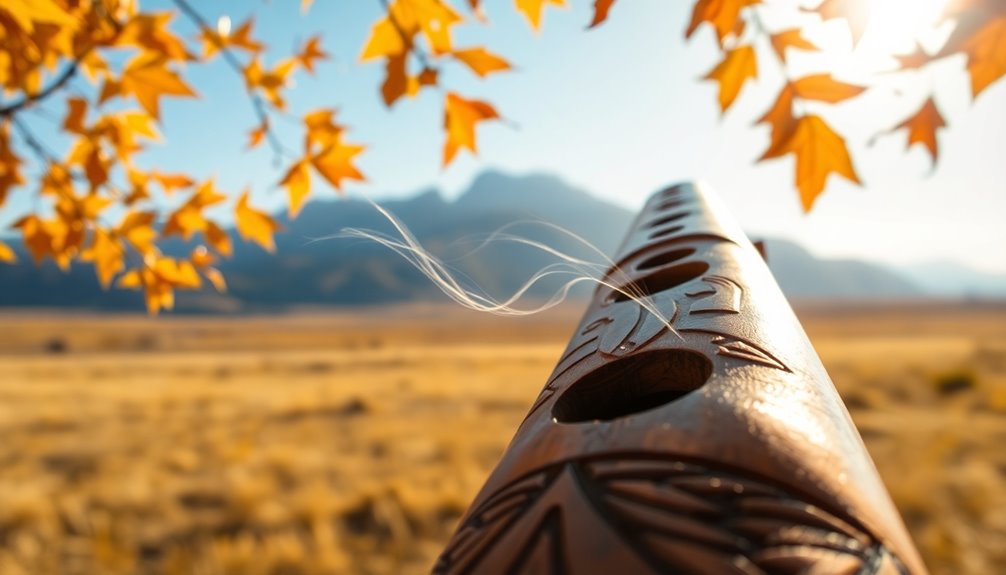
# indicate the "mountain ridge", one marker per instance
pixel 313 268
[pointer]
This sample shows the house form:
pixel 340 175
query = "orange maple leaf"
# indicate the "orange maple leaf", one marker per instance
pixel 825 88
pixel 335 163
pixel 922 127
pixel 148 78
pixel 255 225
pixel 107 254
pixel 297 182
pixel 601 9
pixel 722 15
pixel 819 152
pixel 532 9
pixel 481 61
pixel 780 117
pixel 986 52
pixel 738 66
pixel 460 118
pixel 792 38
pixel 311 52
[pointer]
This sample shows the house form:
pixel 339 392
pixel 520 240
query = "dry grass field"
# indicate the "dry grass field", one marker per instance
pixel 350 442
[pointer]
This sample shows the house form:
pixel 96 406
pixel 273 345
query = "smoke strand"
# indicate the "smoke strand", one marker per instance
pixel 580 270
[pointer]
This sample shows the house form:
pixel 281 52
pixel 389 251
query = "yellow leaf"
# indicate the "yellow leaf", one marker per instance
pixel 7 255
pixel 738 66
pixel 218 239
pixel 216 278
pixel 172 182
pixel 819 152
pixel 825 88
pixel 201 257
pixel 532 9
pixel 149 31
pixel 137 228
pixel 922 127
pixel 722 15
pixel 792 38
pixel 460 118
pixel 385 40
pixel 335 163
pixel 601 8
pixel 107 254
pixel 254 225
pixel 26 12
pixel 481 61
pixel 148 79
pixel 780 118
pixel 298 186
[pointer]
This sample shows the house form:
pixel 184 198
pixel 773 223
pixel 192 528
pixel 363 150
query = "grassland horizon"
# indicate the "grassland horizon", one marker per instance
pixel 350 441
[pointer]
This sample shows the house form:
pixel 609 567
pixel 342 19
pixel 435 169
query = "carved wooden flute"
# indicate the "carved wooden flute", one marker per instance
pixel 689 427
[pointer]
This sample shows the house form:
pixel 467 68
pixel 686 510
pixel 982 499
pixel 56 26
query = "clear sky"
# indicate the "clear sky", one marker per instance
pixel 621 112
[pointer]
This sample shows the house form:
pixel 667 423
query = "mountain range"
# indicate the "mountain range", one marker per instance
pixel 311 267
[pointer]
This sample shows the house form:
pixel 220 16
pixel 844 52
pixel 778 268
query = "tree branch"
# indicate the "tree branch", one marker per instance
pixel 228 55
pixel 29 99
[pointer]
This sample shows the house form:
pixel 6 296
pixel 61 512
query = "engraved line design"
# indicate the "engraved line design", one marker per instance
pixel 675 516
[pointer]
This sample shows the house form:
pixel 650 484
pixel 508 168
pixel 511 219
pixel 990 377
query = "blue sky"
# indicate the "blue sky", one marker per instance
pixel 621 112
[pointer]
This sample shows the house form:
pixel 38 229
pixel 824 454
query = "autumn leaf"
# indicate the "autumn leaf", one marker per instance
pixel 310 53
pixel 460 118
pixel 7 255
pixel 780 117
pixel 722 15
pixel 792 38
pixel 189 219
pixel 986 52
pixel 335 163
pixel 819 152
pixel 254 225
pixel 218 238
pixel 824 88
pixel 738 66
pixel 601 9
pixel 532 9
pixel 75 114
pixel 172 182
pixel 396 80
pixel 922 127
pixel 148 79
pixel 385 40
pixel 137 229
pixel 297 182
pixel 257 134
pixel 481 61
pixel 107 255
pixel 26 12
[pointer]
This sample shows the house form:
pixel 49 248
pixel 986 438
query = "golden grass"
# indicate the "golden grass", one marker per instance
pixel 351 442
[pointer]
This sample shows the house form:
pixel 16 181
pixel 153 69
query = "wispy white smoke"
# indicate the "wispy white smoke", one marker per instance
pixel 576 269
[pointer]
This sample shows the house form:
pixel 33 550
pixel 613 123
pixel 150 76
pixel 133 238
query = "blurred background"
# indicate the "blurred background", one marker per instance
pixel 334 413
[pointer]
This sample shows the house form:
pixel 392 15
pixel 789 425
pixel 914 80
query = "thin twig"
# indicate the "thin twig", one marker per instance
pixel 258 104
pixel 29 99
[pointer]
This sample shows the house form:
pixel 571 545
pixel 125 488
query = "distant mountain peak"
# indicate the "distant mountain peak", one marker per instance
pixel 493 189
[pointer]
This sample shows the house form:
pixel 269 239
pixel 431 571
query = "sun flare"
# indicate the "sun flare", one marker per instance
pixel 897 26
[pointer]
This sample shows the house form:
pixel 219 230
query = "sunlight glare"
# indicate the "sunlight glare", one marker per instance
pixel 896 26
